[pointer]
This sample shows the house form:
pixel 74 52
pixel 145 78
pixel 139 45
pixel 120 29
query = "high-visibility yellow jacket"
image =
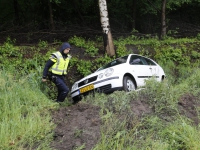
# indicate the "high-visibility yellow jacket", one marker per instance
pixel 61 64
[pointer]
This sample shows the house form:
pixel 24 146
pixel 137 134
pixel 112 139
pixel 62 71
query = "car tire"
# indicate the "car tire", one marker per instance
pixel 76 100
pixel 128 84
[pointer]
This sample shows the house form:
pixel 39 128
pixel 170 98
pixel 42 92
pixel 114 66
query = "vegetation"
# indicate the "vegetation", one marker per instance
pixel 25 112
pixel 26 103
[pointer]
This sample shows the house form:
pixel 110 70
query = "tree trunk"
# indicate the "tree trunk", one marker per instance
pixel 163 20
pixel 78 11
pixel 108 41
pixel 52 27
pixel 16 11
pixel 134 13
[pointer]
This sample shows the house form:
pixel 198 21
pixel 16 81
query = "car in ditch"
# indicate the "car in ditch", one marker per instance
pixel 125 73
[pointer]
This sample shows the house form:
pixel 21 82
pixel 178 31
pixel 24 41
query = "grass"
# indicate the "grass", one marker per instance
pixel 25 116
pixel 25 120
pixel 164 129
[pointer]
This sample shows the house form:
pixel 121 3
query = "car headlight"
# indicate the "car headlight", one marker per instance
pixel 108 72
pixel 74 86
pixel 100 75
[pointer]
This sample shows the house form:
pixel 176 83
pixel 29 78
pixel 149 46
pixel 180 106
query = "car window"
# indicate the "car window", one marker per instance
pixel 136 60
pixel 118 61
pixel 115 62
pixel 150 62
pixel 143 61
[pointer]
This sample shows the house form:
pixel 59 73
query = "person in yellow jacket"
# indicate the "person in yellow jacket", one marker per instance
pixel 57 65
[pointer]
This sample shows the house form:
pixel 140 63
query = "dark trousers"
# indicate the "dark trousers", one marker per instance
pixel 63 90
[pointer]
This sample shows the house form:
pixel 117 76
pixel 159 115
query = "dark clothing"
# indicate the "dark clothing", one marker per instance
pixel 48 65
pixel 63 90
pixel 58 80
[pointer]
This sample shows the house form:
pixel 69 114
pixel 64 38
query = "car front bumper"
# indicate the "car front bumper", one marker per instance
pixel 107 85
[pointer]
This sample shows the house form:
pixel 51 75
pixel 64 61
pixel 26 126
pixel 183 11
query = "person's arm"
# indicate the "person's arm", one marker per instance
pixel 48 65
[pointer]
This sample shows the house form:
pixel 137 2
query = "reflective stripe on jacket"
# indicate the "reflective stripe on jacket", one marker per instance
pixel 60 66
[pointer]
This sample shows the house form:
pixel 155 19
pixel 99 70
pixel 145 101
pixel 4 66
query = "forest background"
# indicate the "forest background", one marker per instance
pixel 51 20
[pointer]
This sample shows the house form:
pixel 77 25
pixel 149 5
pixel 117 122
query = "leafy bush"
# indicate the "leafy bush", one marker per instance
pixel 89 45
pixel 84 67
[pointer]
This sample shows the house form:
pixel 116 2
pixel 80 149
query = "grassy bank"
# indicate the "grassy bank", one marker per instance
pixel 25 114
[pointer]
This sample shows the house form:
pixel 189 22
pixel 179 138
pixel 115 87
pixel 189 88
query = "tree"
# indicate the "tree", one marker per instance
pixel 163 21
pixel 16 12
pixel 107 36
pixel 134 13
pixel 52 26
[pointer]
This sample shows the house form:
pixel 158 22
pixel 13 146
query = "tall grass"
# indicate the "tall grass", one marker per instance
pixel 181 135
pixel 25 121
pixel 163 129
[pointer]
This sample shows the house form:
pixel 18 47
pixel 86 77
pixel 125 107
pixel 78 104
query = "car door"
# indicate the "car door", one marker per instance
pixel 140 69
pixel 153 67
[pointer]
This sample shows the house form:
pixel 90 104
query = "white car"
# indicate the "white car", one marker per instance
pixel 124 73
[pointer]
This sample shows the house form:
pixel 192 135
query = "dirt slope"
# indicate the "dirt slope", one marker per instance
pixel 76 125
pixel 79 124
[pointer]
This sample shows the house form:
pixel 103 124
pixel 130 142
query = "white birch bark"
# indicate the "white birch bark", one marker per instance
pixel 109 46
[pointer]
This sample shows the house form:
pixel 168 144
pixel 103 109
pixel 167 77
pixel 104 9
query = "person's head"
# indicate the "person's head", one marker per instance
pixel 65 48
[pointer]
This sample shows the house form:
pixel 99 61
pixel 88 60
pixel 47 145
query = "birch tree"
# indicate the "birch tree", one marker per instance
pixel 107 36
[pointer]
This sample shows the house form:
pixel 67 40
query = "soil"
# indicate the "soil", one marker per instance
pixel 79 124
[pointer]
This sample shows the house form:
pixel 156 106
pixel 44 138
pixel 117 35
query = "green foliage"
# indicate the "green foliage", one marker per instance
pixel 102 61
pixel 121 45
pixel 25 117
pixel 198 36
pixel 172 32
pixel 78 41
pixel 160 97
pixel 195 54
pixel 90 48
pixel 167 53
pixel 42 44
pixel 89 45
pixel 84 67
pixel 116 116
pixel 9 50
pixel 190 84
pixel 181 135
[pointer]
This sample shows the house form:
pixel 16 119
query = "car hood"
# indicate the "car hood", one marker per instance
pixel 117 69
pixel 91 75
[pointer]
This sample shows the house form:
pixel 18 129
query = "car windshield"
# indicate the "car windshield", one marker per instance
pixel 115 62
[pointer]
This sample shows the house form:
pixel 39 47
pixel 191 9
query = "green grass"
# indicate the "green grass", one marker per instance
pixel 163 129
pixel 25 116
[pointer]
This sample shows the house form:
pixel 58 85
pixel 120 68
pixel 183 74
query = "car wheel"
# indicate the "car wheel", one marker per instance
pixel 128 84
pixel 76 100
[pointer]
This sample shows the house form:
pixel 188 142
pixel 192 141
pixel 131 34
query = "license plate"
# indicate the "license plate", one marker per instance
pixel 87 88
